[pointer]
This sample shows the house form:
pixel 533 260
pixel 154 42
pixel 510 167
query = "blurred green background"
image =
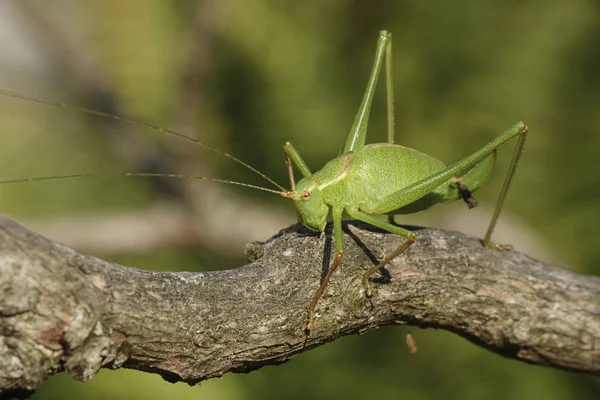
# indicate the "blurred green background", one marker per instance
pixel 246 76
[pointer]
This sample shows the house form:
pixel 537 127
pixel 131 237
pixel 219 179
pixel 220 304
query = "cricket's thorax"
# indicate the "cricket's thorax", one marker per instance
pixel 375 172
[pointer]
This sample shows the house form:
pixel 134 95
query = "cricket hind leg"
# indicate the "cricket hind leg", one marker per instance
pixel 358 131
pixel 389 91
pixel 476 176
pixel 405 233
pixel 505 186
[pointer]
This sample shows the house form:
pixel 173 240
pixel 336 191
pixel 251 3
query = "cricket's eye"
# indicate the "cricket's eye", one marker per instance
pixel 305 195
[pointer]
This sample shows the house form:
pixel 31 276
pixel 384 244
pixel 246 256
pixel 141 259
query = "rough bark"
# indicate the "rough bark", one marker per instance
pixel 64 311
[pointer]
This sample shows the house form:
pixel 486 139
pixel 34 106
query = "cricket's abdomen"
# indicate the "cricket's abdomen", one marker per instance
pixel 379 170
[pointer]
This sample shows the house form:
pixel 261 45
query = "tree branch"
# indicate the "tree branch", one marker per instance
pixel 64 311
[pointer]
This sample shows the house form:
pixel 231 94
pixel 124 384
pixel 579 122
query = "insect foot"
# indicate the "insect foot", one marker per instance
pixel 368 290
pixel 309 325
pixel 313 304
pixel 498 246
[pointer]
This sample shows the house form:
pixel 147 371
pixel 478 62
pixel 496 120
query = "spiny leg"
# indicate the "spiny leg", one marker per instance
pixel 292 157
pixel 405 233
pixel 358 131
pixel 401 249
pixel 389 91
pixel 509 176
pixel 415 191
pixel 290 169
pixel 338 235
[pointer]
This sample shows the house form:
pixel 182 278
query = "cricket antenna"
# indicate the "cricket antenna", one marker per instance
pixel 142 175
pixel 144 124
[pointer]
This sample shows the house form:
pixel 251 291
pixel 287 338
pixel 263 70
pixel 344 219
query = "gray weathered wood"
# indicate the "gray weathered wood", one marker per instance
pixel 62 310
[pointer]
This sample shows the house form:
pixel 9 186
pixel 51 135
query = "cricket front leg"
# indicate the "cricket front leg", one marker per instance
pixel 405 233
pixel 292 157
pixel 338 235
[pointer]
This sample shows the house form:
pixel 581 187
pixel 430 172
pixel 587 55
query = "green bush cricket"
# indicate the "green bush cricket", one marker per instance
pixel 382 178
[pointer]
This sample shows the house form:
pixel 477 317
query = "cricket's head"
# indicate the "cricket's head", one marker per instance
pixel 310 204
